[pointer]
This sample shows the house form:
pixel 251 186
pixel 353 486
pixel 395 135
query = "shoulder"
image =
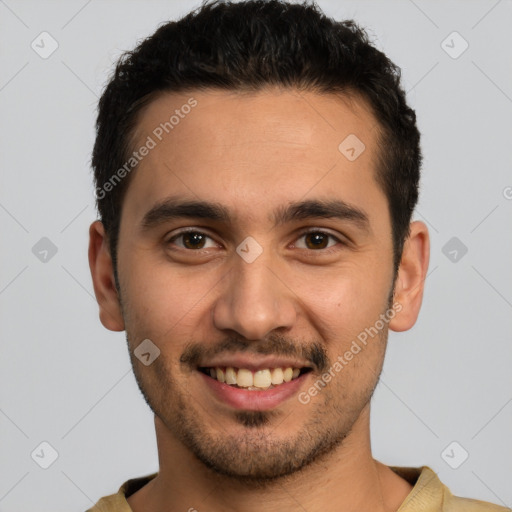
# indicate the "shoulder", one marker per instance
pixel 458 504
pixel 117 502
pixel 113 503
pixel 429 493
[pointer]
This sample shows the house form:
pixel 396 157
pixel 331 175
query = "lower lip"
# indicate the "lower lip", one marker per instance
pixel 240 398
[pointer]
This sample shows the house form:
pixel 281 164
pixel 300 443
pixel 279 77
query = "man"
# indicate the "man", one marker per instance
pixel 257 167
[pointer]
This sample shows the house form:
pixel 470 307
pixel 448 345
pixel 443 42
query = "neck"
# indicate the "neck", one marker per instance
pixel 347 480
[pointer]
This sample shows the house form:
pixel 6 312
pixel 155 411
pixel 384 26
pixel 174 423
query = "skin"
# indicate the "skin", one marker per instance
pixel 253 153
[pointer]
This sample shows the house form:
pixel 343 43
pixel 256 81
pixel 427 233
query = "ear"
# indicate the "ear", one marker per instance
pixel 410 281
pixel 102 272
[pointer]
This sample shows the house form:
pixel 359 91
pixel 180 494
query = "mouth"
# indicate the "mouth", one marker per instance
pixel 254 380
pixel 253 389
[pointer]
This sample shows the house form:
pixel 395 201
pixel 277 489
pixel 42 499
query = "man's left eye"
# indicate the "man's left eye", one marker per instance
pixel 317 240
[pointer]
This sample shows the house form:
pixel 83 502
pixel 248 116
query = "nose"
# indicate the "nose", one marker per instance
pixel 255 299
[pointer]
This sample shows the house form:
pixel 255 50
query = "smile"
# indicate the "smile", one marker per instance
pixel 254 380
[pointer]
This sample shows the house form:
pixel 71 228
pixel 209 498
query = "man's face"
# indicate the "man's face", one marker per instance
pixel 282 297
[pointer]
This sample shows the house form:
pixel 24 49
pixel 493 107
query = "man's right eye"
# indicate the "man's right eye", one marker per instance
pixel 191 240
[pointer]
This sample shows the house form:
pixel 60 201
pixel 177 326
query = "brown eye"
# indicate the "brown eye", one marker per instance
pixel 193 240
pixel 316 240
pixel 190 240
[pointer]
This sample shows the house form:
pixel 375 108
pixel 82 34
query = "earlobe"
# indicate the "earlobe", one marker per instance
pixel 410 281
pixel 102 272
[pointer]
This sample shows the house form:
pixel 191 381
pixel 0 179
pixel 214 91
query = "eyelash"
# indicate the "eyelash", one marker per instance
pixel 327 250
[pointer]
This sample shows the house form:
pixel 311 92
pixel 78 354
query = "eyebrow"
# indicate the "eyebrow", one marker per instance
pixel 173 208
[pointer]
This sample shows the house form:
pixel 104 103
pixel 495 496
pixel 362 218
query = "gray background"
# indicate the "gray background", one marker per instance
pixel 67 381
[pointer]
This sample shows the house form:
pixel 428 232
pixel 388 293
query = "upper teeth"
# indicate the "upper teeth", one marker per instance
pixel 259 379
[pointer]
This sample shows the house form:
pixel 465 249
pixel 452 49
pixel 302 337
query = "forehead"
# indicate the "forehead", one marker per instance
pixel 249 150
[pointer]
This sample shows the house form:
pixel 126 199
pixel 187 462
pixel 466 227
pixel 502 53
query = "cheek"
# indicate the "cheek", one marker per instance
pixel 165 303
pixel 344 301
pixel 168 301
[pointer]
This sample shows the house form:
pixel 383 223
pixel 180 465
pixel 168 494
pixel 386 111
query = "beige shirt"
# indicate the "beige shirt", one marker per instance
pixel 427 495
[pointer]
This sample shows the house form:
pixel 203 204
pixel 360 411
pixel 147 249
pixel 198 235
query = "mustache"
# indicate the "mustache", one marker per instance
pixel 313 353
